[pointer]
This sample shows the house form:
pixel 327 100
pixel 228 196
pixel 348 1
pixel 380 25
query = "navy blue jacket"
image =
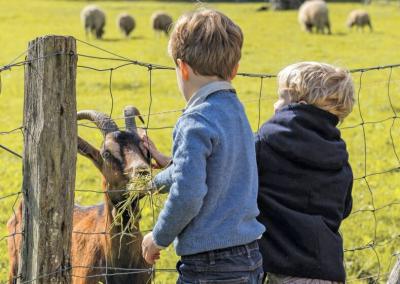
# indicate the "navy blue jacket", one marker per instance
pixel 305 183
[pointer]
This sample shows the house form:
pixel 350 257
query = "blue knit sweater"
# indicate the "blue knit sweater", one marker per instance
pixel 213 181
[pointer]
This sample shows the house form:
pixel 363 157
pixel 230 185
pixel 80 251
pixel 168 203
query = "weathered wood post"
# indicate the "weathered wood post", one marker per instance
pixel 50 147
pixel 394 277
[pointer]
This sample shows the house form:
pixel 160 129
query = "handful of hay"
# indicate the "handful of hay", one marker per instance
pixel 138 188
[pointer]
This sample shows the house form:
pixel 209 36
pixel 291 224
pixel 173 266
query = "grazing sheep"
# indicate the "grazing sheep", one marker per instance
pixel 126 23
pixel 314 13
pixel 161 22
pixel 359 18
pixel 100 251
pixel 94 20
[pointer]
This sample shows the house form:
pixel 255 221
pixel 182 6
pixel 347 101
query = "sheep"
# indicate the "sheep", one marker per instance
pixel 161 22
pixel 314 13
pixel 359 18
pixel 94 20
pixel 126 23
pixel 97 243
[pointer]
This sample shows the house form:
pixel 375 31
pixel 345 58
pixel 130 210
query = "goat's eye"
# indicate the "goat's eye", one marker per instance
pixel 106 155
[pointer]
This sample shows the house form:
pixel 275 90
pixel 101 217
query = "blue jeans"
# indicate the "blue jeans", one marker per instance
pixel 234 265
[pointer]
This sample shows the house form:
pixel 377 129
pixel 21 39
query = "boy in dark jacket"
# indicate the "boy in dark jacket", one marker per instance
pixel 305 179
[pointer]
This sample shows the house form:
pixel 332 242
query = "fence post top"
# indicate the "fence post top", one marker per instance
pixel 52 38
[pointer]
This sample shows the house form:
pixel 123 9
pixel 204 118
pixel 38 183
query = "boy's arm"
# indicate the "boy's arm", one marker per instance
pixel 192 147
pixel 348 205
pixel 163 180
pixel 257 142
pixel 349 202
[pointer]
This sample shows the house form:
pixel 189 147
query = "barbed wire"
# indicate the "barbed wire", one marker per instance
pixel 123 62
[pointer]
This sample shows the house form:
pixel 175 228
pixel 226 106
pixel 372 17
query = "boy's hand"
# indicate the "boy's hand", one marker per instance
pixel 161 160
pixel 150 251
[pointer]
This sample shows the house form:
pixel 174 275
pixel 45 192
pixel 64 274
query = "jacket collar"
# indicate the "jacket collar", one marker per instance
pixel 201 94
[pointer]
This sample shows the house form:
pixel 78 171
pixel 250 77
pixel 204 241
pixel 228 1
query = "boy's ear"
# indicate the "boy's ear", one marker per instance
pixel 184 69
pixel 234 72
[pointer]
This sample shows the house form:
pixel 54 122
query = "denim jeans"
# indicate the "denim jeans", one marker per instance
pixel 234 265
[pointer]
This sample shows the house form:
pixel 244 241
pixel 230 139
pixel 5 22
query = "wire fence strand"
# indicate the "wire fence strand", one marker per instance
pixel 374 244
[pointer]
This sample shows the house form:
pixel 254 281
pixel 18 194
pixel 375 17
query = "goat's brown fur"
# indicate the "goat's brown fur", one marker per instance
pixel 98 246
pixel 92 246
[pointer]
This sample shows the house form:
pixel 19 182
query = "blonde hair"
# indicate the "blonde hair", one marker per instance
pixel 322 85
pixel 208 41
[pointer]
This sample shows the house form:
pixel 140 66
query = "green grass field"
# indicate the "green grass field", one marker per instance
pixel 272 41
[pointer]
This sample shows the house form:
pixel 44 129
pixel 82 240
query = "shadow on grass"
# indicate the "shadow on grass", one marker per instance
pixel 340 34
pixel 122 38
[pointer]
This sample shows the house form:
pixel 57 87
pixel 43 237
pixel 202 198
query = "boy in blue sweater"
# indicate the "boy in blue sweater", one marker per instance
pixel 304 175
pixel 211 209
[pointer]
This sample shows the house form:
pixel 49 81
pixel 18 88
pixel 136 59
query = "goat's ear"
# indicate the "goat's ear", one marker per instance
pixel 90 152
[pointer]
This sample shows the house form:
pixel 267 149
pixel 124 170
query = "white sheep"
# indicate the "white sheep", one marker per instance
pixel 161 22
pixel 314 13
pixel 126 23
pixel 359 18
pixel 94 20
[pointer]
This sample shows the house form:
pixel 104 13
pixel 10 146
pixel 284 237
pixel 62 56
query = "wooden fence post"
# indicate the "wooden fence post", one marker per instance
pixel 394 277
pixel 49 162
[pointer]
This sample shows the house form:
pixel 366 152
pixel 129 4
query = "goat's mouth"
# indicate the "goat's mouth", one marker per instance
pixel 139 183
pixel 128 211
pixel 142 174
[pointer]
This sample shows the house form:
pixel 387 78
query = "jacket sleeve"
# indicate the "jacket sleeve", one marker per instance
pixel 349 199
pixel 257 142
pixel 192 147
pixel 349 202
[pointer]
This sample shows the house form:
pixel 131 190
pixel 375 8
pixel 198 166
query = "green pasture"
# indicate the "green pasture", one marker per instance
pixel 272 41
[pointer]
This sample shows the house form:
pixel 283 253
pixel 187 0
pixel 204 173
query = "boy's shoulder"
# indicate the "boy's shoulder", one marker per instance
pixel 298 122
pixel 213 113
pixel 216 98
pixel 214 105
pixel 194 121
pixel 301 115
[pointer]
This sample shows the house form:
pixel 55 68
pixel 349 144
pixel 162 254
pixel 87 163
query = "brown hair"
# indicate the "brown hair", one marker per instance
pixel 208 41
pixel 325 86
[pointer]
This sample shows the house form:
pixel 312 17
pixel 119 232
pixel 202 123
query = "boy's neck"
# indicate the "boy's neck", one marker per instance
pixel 197 82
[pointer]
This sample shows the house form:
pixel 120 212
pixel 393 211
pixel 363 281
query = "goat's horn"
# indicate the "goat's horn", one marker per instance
pixel 102 121
pixel 130 114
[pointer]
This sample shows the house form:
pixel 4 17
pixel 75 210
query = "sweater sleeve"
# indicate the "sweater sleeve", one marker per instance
pixel 192 147
pixel 163 180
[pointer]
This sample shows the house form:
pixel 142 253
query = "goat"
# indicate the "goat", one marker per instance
pixel 96 240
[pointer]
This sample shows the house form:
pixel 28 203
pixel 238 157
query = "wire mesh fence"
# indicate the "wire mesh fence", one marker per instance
pixel 371 233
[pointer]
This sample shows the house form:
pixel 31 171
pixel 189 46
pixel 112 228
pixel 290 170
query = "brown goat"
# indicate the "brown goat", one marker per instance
pixel 98 247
